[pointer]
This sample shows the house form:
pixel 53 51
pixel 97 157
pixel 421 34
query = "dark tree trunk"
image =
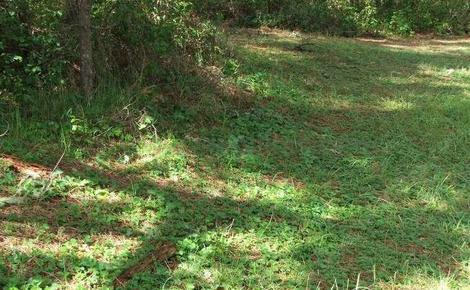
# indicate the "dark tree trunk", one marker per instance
pixel 86 48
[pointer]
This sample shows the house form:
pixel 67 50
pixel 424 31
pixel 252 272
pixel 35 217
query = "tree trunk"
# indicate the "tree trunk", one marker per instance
pixel 86 48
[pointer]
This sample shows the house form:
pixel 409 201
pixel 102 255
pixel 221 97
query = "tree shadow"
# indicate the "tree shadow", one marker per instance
pixel 184 213
pixel 378 191
pixel 402 238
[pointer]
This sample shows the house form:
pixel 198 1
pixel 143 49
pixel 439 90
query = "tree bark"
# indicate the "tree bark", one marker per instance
pixel 86 48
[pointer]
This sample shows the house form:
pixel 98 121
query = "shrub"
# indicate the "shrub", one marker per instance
pixel 133 40
pixel 31 53
pixel 132 34
pixel 345 16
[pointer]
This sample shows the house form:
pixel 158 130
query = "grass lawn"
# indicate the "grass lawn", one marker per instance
pixel 313 162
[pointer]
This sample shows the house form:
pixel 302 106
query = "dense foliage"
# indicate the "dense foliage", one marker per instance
pixel 133 40
pixel 345 16
pixel 31 53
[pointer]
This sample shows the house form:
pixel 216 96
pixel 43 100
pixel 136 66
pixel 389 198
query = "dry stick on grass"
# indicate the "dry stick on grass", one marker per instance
pixel 161 254
pixel 51 175
pixel 6 131
pixel 358 281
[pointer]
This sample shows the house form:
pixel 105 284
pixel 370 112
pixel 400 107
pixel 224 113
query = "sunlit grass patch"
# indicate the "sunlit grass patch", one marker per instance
pixel 348 165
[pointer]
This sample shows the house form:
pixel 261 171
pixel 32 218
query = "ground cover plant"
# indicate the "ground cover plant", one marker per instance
pixel 304 161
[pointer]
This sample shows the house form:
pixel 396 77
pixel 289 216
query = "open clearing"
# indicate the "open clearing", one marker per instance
pixel 320 162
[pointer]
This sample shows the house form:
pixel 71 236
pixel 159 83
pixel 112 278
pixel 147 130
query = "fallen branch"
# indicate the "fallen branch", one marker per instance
pixel 161 254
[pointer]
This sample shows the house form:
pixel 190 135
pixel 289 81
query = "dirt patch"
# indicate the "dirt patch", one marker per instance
pixel 25 168
pixel 338 122
pixel 422 43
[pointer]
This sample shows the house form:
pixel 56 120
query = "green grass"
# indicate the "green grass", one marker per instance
pixel 343 164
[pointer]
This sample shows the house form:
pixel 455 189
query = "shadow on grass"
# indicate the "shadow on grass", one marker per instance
pixel 369 174
pixel 348 68
pixel 372 239
pixel 184 213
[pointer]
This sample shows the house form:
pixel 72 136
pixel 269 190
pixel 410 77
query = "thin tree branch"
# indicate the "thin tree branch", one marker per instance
pixel 6 131
pixel 51 177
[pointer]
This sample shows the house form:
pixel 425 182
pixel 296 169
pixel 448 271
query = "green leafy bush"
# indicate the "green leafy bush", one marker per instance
pixel 134 37
pixel 31 52
pixel 345 16
pixel 132 41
